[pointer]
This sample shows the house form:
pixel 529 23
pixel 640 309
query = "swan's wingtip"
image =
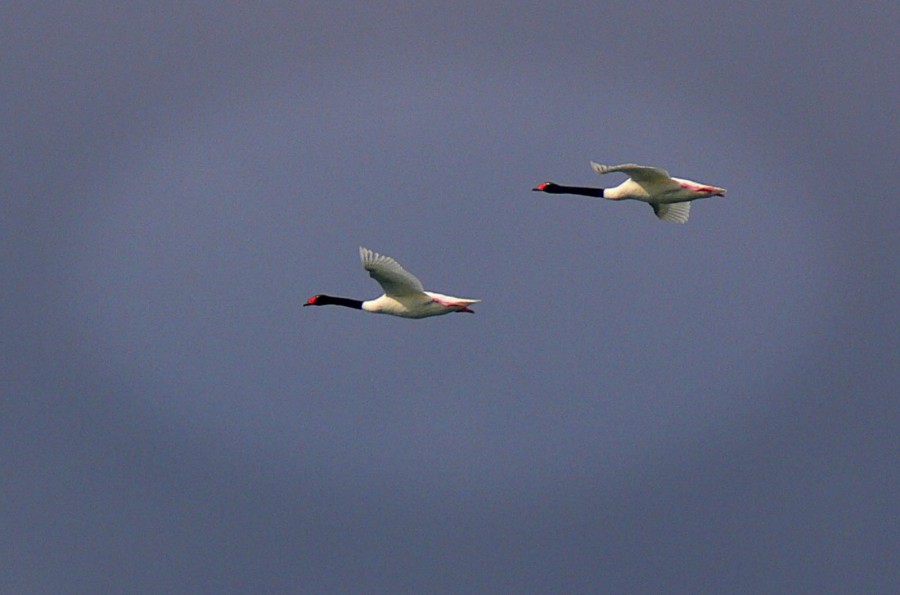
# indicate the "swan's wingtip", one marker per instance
pixel 366 255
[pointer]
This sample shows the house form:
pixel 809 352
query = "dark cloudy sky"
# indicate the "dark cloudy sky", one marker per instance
pixel 636 406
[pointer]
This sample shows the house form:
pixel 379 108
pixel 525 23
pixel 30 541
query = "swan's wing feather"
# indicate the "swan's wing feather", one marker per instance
pixel 393 278
pixel 677 212
pixel 638 173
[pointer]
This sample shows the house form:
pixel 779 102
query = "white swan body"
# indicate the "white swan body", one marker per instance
pixel 670 197
pixel 404 294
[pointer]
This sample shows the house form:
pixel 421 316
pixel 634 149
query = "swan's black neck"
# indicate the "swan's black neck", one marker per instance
pixel 581 190
pixel 328 300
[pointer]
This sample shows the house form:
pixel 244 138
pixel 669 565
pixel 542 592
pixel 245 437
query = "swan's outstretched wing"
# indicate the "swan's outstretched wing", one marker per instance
pixel 393 278
pixel 638 173
pixel 676 212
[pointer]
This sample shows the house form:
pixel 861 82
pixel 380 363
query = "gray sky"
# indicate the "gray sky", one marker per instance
pixel 636 407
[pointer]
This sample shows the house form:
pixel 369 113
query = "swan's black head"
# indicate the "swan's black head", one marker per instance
pixel 554 188
pixel 549 187
pixel 329 300
pixel 321 300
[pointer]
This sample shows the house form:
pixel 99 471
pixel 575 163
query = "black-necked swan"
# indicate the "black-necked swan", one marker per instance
pixel 403 293
pixel 670 197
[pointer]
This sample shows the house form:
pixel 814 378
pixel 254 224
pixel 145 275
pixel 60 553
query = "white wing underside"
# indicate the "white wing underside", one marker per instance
pixel 638 173
pixel 393 278
pixel 676 212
